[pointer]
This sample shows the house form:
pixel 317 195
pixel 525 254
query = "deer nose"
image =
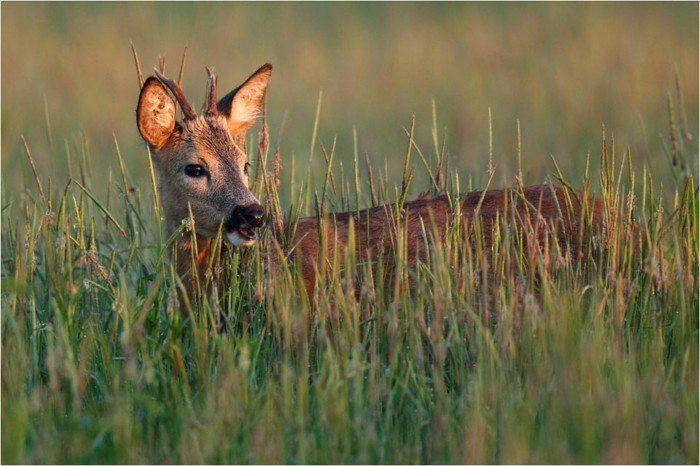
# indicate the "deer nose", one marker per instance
pixel 253 214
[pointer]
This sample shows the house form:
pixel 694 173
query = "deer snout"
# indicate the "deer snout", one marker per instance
pixel 251 215
pixel 242 222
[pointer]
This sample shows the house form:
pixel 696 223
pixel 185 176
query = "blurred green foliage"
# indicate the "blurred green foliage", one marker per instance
pixel 562 70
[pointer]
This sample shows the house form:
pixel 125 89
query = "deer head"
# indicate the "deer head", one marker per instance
pixel 199 164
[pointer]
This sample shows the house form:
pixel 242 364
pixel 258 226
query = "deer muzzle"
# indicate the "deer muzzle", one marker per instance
pixel 241 224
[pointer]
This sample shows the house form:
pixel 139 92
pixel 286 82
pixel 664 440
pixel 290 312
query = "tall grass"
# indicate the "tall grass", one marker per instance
pixel 478 354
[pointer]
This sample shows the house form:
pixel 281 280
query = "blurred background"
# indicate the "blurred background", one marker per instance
pixel 561 70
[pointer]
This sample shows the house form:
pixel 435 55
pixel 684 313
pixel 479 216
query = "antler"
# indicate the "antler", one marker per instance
pixel 210 105
pixel 179 96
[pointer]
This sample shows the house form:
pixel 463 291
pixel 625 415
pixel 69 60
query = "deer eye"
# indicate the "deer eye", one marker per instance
pixel 194 171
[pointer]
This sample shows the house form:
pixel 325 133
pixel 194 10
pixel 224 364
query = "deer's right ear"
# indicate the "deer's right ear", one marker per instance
pixel 155 114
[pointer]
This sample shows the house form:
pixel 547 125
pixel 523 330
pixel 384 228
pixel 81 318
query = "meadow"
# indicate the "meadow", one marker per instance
pixel 555 361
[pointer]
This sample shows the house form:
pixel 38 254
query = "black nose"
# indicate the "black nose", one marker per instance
pixel 252 214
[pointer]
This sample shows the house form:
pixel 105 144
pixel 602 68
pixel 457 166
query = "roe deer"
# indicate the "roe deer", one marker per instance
pixel 201 167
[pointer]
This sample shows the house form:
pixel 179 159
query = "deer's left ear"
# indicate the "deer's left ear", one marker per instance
pixel 242 105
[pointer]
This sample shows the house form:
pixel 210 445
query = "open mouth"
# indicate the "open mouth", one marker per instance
pixel 246 232
pixel 243 236
pixel 241 226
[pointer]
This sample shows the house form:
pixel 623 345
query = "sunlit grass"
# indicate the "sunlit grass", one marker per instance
pixel 478 354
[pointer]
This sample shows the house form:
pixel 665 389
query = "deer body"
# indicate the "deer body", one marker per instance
pixel 202 171
pixel 548 211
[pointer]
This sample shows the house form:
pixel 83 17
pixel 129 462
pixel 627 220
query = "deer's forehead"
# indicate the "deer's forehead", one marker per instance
pixel 209 138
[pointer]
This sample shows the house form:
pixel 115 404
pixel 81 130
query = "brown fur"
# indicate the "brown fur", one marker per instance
pixel 545 209
pixel 209 140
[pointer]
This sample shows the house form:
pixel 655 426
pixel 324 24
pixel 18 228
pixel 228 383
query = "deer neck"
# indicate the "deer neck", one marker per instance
pixel 192 254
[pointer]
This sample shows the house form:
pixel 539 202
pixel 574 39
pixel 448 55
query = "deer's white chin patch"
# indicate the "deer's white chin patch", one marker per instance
pixel 237 239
